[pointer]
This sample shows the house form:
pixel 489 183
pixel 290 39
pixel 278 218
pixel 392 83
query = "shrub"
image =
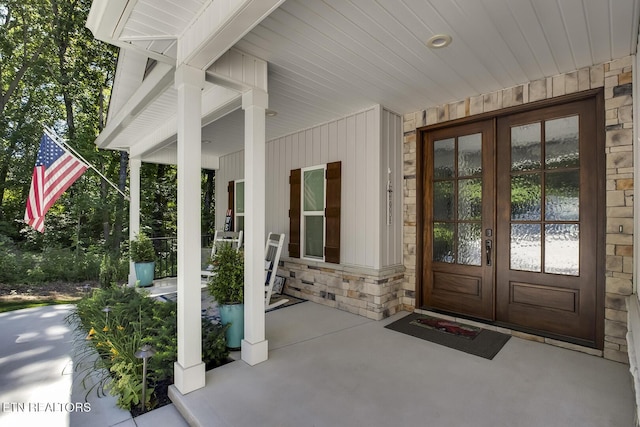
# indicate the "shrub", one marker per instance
pixel 226 286
pixel 113 269
pixel 134 319
pixel 141 249
pixel 50 265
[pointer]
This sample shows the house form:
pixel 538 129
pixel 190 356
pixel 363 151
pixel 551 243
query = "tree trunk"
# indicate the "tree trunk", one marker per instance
pixel 209 218
pixel 122 185
pixel 159 204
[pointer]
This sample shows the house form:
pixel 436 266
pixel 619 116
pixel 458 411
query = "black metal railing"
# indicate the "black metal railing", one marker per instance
pixel 167 255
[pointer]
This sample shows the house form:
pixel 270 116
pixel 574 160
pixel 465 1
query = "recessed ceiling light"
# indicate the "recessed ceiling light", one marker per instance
pixel 207 141
pixel 271 113
pixel 439 41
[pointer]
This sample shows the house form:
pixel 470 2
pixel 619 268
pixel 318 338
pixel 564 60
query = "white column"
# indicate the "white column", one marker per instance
pixel 254 345
pixel 189 370
pixel 134 208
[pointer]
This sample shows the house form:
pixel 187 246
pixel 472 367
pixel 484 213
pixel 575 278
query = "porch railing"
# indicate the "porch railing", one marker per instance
pixel 167 255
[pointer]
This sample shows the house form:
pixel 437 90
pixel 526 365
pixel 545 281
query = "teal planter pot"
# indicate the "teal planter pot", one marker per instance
pixel 233 314
pixel 144 273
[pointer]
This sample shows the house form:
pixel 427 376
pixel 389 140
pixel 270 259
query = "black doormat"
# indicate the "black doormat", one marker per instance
pixel 472 340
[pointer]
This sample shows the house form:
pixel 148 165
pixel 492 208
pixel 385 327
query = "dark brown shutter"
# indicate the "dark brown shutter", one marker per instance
pixel 332 213
pixel 294 212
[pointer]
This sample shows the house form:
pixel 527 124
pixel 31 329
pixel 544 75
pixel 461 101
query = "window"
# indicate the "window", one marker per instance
pixel 238 209
pixel 235 190
pixel 314 215
pixel 312 233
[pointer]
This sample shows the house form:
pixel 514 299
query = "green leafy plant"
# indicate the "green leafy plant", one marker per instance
pixel 106 342
pixel 214 344
pixel 141 249
pixel 226 286
pixel 113 269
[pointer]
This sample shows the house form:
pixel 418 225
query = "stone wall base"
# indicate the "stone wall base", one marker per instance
pixel 367 292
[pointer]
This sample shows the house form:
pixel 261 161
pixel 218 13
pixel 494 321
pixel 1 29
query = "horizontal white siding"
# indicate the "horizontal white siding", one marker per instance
pixel 365 152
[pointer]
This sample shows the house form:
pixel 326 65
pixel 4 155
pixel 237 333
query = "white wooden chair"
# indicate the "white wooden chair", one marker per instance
pixel 231 237
pixel 272 252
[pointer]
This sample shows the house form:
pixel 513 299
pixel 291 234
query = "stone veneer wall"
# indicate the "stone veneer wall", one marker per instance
pixel 616 78
pixel 364 291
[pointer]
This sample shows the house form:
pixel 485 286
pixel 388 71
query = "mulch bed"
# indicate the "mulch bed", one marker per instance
pixel 57 290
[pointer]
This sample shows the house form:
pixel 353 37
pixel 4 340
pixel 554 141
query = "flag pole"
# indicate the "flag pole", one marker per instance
pixel 54 136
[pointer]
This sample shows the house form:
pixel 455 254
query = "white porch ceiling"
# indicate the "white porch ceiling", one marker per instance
pixel 328 58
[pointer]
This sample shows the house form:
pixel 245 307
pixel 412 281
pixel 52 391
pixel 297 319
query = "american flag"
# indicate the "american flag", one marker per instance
pixel 56 169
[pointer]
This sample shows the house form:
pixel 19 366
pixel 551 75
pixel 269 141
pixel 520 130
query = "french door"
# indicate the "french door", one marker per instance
pixel 510 220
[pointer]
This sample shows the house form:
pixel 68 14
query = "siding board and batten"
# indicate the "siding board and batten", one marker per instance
pixel 367 143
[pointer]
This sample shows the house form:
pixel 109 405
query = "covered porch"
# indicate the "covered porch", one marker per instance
pixel 328 367
pixel 259 90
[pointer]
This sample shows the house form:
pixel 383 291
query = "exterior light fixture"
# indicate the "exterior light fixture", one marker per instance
pixel 145 352
pixel 270 113
pixel 106 311
pixel 439 41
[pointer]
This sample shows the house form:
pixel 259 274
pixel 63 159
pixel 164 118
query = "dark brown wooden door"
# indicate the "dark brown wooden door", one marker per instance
pixel 459 214
pixel 511 208
pixel 546 265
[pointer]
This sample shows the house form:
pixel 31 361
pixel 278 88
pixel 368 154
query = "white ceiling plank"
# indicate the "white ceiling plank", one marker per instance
pixel 621 12
pixel 529 23
pixel 488 44
pixel 398 49
pixel 577 31
pixel 348 48
pixel 509 29
pixel 555 33
pixel 330 58
pixel 599 25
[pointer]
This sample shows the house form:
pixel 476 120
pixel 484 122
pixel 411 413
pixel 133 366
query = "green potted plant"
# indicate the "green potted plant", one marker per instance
pixel 226 286
pixel 143 256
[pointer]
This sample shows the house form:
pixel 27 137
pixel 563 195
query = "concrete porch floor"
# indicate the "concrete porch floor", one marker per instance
pixel 331 368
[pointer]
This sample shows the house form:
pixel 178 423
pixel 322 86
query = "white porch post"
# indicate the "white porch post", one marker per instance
pixel 134 208
pixel 189 370
pixel 254 345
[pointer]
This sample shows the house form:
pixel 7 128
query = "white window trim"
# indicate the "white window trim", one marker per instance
pixel 312 213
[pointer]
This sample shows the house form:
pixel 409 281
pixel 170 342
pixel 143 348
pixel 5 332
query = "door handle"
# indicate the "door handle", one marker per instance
pixel 487 249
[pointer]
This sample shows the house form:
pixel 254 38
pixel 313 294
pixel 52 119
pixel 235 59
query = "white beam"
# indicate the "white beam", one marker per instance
pixel 239 71
pixel 189 370
pixel 169 156
pixel 159 80
pixel 220 26
pixel 217 101
pixel 254 346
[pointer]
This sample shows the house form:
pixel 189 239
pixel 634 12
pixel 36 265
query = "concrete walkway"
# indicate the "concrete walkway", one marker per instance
pixel 38 383
pixel 326 368
pixel 330 368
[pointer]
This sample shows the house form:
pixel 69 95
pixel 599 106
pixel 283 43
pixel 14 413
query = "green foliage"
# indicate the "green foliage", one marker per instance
pixel 49 265
pixel 141 249
pixel 113 269
pixel 214 343
pixel 127 385
pixel 133 319
pixel 226 286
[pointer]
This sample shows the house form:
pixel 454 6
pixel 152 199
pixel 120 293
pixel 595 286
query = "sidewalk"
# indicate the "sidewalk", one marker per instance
pixel 38 385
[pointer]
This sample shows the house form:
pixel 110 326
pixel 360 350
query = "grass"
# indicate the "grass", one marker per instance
pixel 20 304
